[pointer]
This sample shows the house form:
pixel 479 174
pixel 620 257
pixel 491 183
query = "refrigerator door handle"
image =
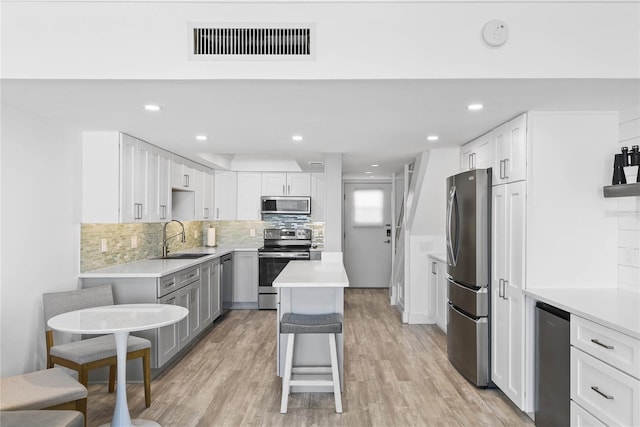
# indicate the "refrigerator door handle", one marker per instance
pixel 478 320
pixel 452 194
pixel 450 247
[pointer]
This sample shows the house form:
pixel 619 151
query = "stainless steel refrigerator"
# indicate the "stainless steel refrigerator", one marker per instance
pixel 468 273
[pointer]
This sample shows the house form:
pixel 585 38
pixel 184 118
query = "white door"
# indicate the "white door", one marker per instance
pixel 367 234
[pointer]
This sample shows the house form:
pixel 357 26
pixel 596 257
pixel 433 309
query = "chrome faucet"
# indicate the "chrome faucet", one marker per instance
pixel 165 245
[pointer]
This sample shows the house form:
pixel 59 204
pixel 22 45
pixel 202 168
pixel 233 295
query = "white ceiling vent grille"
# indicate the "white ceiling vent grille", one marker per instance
pixel 251 42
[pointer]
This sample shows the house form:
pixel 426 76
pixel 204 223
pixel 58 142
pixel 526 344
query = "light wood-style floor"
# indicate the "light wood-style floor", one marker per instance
pixel 395 375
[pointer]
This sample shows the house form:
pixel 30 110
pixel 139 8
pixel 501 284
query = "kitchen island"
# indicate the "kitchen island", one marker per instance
pixel 310 287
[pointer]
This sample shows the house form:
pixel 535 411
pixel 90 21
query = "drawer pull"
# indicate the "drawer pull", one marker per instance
pixel 171 300
pixel 595 341
pixel 168 285
pixel 606 396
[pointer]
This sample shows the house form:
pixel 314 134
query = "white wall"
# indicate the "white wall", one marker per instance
pixel 629 209
pixel 427 229
pixel 40 252
pixel 431 39
pixel 333 202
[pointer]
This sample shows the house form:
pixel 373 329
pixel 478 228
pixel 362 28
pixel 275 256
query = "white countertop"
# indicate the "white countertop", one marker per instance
pixel 438 256
pixel 312 274
pixel 161 267
pixel 616 309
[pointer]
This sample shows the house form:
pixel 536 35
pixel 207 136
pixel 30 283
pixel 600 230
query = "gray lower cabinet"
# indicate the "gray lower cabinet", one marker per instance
pixel 245 279
pixel 196 288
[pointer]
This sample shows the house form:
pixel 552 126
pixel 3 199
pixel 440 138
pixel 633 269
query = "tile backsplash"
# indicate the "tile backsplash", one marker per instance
pixel 120 238
pixel 629 209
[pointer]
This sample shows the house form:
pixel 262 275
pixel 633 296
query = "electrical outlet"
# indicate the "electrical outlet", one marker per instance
pixel 134 241
pixel 252 232
pixel 103 246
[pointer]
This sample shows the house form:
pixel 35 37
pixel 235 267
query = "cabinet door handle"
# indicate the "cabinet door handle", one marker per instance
pixel 595 341
pixel 470 161
pixel 171 300
pixel 217 213
pixel 163 209
pixel 500 288
pixel 501 169
pixel 597 390
pixel 505 283
pixel 289 189
pixel 433 268
pixel 206 212
pixel 473 158
pixel 283 192
pixel 506 163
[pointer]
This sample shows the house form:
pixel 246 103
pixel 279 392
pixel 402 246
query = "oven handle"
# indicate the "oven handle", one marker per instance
pixel 289 255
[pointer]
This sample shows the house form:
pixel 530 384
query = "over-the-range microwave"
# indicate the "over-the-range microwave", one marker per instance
pixel 285 205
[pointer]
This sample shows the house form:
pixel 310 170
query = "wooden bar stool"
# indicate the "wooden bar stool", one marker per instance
pixel 292 324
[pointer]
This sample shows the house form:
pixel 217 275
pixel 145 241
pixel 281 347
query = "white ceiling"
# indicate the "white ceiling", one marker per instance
pixel 383 122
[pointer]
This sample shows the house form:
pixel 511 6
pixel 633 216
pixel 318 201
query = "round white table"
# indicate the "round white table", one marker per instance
pixel 119 320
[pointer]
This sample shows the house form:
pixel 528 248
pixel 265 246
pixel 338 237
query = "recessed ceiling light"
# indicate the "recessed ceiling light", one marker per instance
pixel 475 107
pixel 432 138
pixel 201 137
pixel 374 166
pixel 368 172
pixel 152 107
pixel 297 138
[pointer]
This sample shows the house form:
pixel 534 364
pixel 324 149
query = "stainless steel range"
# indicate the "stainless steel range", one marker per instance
pixel 280 247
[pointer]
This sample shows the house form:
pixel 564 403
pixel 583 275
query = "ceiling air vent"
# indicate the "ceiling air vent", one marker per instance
pixel 251 41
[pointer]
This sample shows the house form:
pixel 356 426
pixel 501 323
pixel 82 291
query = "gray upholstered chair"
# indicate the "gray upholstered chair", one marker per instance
pixel 42 418
pixel 97 352
pixel 23 396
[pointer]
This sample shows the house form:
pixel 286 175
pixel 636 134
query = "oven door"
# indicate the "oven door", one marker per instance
pixel 270 265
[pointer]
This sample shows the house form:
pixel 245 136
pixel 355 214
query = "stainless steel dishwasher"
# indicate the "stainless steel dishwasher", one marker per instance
pixel 553 367
pixel 226 281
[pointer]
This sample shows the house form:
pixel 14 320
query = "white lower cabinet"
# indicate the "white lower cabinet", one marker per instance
pixel 438 293
pixel 581 418
pixel 608 394
pixel 507 284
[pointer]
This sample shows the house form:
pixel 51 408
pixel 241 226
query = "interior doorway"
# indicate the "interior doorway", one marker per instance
pixel 367 234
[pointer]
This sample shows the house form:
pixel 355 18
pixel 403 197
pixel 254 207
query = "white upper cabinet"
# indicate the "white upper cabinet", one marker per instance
pixel 182 173
pixel 299 184
pixel 203 186
pixel 159 186
pixel 119 179
pixel 477 154
pixel 510 160
pixel 225 195
pixel 286 184
pixel 249 192
pixel 274 184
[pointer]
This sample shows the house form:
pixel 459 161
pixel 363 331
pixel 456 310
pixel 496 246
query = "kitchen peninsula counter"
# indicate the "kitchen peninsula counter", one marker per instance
pixel 311 287
pixel 614 308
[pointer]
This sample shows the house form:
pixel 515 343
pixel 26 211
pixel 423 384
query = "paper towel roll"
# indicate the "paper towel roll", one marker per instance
pixel 211 236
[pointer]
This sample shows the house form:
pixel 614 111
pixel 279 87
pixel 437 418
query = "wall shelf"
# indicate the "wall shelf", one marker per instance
pixel 622 190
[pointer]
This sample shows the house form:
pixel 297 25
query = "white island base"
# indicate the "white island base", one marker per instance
pixel 311 287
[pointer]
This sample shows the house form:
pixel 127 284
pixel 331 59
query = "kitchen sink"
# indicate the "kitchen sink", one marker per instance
pixel 182 256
